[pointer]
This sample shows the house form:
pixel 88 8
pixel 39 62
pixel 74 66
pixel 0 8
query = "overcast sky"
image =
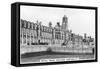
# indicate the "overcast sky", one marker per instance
pixel 80 21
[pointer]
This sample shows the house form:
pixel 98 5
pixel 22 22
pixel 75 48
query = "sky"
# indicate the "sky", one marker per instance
pixel 80 21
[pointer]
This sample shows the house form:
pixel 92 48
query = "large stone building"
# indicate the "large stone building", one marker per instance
pixel 32 33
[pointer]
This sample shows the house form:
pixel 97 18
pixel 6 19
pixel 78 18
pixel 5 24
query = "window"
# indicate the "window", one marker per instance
pixel 33 26
pixel 44 29
pixel 22 23
pixel 24 34
pixel 24 40
pixel 31 38
pixel 28 36
pixel 30 25
pixel 26 24
pixel 62 37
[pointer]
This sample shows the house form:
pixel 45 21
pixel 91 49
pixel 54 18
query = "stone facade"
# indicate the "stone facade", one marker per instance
pixel 35 33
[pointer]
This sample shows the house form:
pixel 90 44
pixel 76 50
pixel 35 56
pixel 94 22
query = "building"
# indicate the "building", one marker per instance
pixel 34 33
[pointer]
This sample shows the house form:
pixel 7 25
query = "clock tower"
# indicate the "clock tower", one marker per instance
pixel 65 23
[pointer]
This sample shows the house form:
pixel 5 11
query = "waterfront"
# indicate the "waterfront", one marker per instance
pixel 45 56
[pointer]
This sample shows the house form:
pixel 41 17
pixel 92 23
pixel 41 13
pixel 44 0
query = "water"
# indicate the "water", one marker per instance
pixel 36 59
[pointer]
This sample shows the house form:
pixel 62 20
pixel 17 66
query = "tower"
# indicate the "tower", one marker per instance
pixel 65 23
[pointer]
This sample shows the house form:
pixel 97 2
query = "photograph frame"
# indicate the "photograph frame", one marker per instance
pixel 15 33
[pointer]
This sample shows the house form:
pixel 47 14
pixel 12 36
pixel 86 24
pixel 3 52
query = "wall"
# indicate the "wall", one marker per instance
pixel 5 36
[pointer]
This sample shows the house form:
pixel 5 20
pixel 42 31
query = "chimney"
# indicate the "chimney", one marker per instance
pixel 58 24
pixel 85 35
pixel 70 31
pixel 50 24
pixel 37 21
pixel 40 23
